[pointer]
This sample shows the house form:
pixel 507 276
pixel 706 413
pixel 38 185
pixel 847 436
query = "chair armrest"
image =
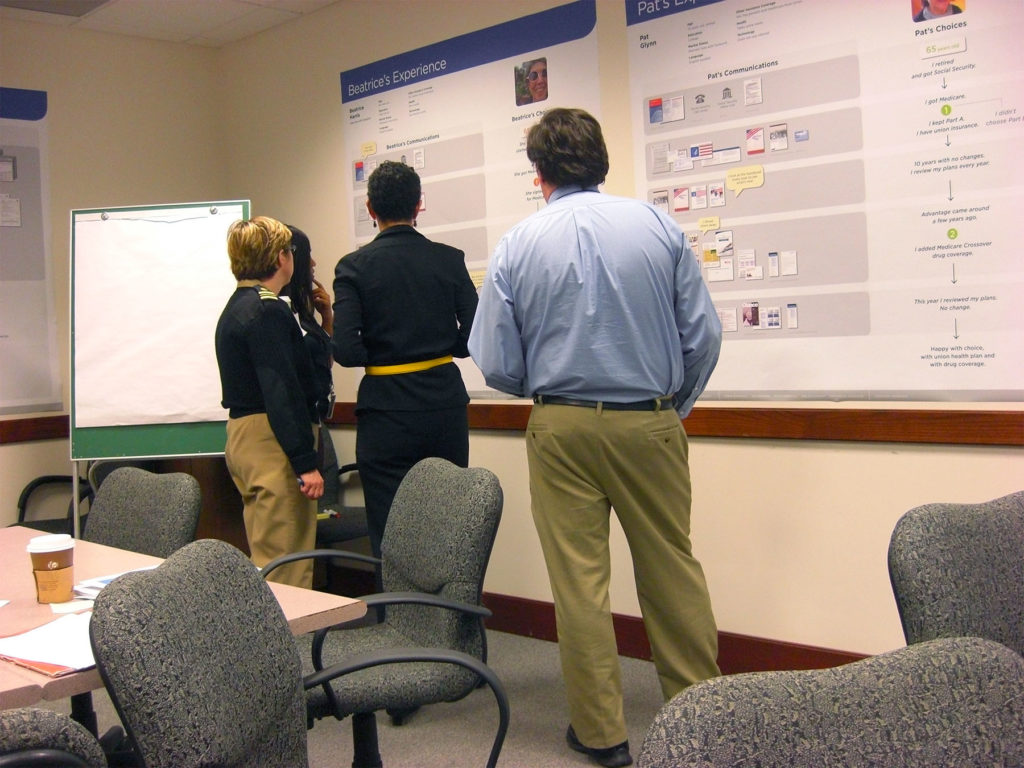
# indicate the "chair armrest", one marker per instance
pixel 423 598
pixel 317 554
pixel 360 661
pixel 84 492
pixel 43 758
pixel 366 659
pixel 395 598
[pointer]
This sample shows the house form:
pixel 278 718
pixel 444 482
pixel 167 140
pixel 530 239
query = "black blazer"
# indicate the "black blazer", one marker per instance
pixel 402 298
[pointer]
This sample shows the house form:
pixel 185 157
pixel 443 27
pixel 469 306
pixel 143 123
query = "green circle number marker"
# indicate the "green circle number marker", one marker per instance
pixel 946 109
pixel 952 234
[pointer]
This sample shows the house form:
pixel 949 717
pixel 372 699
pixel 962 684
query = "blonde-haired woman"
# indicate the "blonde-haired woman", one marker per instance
pixel 268 388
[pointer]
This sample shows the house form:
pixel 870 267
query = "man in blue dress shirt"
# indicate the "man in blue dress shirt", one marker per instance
pixel 595 307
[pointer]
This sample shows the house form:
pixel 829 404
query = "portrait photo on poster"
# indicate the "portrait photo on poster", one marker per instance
pixel 928 10
pixel 531 80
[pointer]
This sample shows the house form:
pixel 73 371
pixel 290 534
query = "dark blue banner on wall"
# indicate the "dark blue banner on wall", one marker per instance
pixel 21 104
pixel 559 25
pixel 638 11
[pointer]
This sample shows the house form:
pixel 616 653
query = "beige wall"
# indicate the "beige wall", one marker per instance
pixel 792 534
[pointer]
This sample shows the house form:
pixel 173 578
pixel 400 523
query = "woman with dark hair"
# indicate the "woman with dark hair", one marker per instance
pixel 308 298
pixel 403 308
pixel 532 81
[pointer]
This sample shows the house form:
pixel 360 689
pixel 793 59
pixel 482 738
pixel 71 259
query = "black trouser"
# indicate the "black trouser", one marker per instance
pixel 389 443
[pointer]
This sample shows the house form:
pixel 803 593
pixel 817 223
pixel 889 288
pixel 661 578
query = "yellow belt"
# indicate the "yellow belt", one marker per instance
pixel 422 365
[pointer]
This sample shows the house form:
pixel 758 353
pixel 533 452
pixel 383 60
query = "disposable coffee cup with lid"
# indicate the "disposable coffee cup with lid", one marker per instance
pixel 52 552
pixel 52 560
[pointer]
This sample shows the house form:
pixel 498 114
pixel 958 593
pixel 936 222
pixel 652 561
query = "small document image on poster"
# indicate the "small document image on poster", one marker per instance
pixel 661 157
pixel 681 162
pixel 698 197
pixel 724 243
pixel 681 199
pixel 8 167
pixel 778 137
pixel 673 110
pixel 10 211
pixel 703 150
pixel 787 262
pixel 659 199
pixel 727 317
pixel 710 254
pixel 359 170
pixel 716 194
pixel 752 91
pixel 751 314
pixel 791 316
pixel 746 262
pixel 771 317
pixel 693 240
pixel 721 273
pixel 655 111
pixel 755 141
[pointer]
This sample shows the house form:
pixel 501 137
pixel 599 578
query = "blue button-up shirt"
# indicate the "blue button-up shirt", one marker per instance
pixel 596 297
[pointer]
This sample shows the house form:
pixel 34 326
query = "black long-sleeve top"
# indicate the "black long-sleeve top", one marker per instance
pixel 318 345
pixel 403 298
pixel 265 368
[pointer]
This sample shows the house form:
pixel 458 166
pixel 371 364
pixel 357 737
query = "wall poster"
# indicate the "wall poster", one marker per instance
pixel 29 373
pixel 851 179
pixel 457 111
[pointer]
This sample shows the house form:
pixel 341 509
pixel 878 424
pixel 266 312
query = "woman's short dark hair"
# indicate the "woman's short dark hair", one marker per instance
pixel 394 191
pixel 567 147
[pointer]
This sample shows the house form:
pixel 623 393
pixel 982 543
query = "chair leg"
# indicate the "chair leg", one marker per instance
pixel 399 716
pixel 364 740
pixel 83 713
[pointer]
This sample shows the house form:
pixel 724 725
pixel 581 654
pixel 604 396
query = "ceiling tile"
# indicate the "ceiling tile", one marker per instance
pixel 254 21
pixel 201 22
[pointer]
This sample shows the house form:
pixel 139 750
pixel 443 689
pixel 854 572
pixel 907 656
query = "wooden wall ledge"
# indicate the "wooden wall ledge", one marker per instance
pixel 860 425
pixel 889 425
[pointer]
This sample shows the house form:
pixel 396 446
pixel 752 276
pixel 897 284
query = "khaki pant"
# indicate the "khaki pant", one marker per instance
pixel 279 519
pixel 583 462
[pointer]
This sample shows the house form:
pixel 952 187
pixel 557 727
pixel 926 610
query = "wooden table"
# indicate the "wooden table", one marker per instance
pixel 304 609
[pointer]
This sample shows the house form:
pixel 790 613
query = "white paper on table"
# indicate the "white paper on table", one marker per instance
pixel 89 588
pixel 63 641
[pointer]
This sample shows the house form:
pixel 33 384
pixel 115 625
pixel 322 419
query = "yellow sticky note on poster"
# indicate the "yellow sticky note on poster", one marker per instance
pixel 707 223
pixel 738 179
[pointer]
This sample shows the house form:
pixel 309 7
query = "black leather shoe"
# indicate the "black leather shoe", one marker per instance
pixel 609 757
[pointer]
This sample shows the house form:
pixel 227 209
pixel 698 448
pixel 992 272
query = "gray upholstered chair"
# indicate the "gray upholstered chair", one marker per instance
pixel 440 531
pixel 100 469
pixel 143 511
pixel 200 663
pixel 948 703
pixel 203 670
pixel 42 487
pixel 958 569
pixel 38 489
pixel 339 523
pixel 39 737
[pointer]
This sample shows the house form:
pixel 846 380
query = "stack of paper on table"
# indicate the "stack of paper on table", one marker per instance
pixel 57 648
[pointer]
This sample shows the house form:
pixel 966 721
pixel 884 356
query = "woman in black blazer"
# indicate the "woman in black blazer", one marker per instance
pixel 403 309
